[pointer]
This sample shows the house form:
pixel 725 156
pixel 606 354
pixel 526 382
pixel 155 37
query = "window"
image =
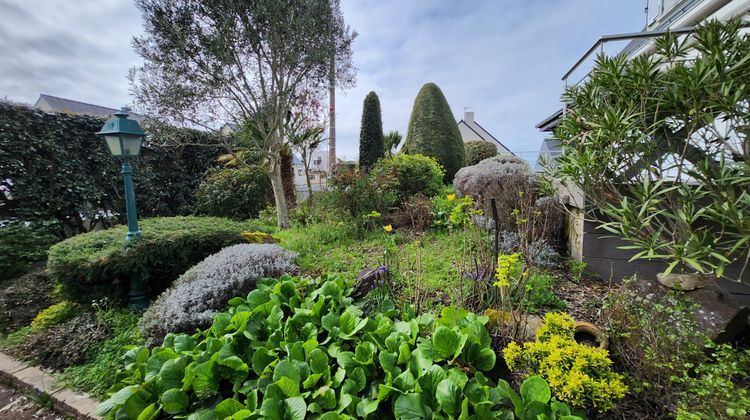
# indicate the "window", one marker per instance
pixel 318 160
pixel 311 177
pixel 299 172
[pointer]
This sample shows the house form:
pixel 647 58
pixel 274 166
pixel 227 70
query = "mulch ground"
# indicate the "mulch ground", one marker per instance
pixel 584 298
pixel 17 406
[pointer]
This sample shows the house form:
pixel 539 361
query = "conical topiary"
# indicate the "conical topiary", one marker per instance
pixel 371 133
pixel 433 131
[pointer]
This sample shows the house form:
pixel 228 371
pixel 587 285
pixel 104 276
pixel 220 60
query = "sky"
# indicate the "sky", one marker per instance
pixel 503 59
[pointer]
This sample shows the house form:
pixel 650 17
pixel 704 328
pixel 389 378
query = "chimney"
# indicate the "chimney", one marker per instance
pixel 469 116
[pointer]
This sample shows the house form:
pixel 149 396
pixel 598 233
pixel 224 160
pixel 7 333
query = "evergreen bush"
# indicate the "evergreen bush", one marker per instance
pixel 239 194
pixel 371 133
pixel 101 263
pixel 478 150
pixel 20 247
pixel 433 131
pixel 413 174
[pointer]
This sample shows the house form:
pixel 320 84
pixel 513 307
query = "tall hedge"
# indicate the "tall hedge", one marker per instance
pixel 433 131
pixel 370 133
pixel 53 168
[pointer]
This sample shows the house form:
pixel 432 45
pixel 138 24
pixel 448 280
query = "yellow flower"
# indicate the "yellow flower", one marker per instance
pixel 388 228
pixel 451 197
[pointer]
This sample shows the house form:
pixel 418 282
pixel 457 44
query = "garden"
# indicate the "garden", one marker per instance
pixel 430 280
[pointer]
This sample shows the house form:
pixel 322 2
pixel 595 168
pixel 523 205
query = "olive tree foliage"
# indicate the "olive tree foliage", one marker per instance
pixel 208 62
pixel 659 145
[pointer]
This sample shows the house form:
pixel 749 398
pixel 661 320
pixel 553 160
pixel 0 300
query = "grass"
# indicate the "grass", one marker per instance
pixel 337 247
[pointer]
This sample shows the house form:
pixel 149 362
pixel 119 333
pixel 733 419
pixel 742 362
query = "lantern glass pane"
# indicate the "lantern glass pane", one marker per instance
pixel 131 145
pixel 113 143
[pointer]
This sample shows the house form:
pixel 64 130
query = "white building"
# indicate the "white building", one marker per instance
pixel 679 16
pixel 318 173
pixel 472 131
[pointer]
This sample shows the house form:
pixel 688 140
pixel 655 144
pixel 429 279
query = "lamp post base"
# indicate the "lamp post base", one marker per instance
pixel 137 297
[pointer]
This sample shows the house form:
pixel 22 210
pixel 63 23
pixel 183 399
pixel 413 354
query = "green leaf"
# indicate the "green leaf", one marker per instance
pixel 318 361
pixel 261 359
pixel 271 409
pixel 171 374
pixel 228 407
pixel 535 410
pixel 447 342
pixel 409 406
pixel 204 379
pixel 174 401
pixel 295 408
pixel 535 388
pixel 366 406
pixel 449 396
pixel 117 399
pixel 149 413
pixel 288 386
pixel 134 405
pixel 286 368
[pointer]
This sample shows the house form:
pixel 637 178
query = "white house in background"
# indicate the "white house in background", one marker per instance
pixel 661 15
pixel 318 173
pixel 471 131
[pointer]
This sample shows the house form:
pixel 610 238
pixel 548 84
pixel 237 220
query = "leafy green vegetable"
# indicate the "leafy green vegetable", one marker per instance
pixel 298 348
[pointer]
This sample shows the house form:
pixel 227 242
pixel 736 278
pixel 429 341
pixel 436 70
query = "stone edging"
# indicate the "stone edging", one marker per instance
pixel 31 379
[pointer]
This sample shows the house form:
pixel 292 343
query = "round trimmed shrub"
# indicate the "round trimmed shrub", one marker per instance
pixel 478 150
pixel 433 131
pixel 204 290
pixel 234 193
pixel 413 174
pixel 503 177
pixel 101 263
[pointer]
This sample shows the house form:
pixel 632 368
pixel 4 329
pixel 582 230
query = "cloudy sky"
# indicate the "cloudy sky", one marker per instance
pixel 501 58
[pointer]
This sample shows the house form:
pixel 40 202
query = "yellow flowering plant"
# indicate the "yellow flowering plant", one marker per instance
pixel 578 374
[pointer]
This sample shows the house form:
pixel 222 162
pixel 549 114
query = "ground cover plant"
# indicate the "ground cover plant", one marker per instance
pixel 296 346
pixel 97 264
pixel 203 291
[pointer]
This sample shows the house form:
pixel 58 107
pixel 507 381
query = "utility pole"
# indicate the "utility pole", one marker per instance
pixel 332 116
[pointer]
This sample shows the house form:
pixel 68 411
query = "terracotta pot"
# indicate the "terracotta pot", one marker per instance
pixel 685 282
pixel 591 330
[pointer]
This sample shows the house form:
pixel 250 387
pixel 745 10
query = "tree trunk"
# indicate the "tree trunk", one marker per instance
pixel 282 212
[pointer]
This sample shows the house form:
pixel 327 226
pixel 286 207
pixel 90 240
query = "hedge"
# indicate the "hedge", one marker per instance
pixel 53 168
pixel 101 263
pixel 238 194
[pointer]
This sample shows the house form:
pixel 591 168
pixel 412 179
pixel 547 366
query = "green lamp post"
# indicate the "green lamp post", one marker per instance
pixel 123 138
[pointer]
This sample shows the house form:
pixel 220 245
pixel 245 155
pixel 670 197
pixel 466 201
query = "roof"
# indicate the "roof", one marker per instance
pixel 487 136
pixel 74 107
pixel 549 123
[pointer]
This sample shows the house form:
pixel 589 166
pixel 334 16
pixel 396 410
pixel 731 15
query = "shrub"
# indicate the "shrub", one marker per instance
pixel 578 374
pixel 356 194
pixel 642 142
pixel 655 339
pixel 100 263
pixel 719 387
pixel 452 212
pixel 21 299
pixel 415 212
pixel 433 131
pixel 205 289
pixel 370 133
pixel 20 247
pixel 234 193
pixel 413 174
pixel 299 346
pixel 478 150
pixel 63 345
pixel 54 315
pixel 540 294
pixel 501 177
